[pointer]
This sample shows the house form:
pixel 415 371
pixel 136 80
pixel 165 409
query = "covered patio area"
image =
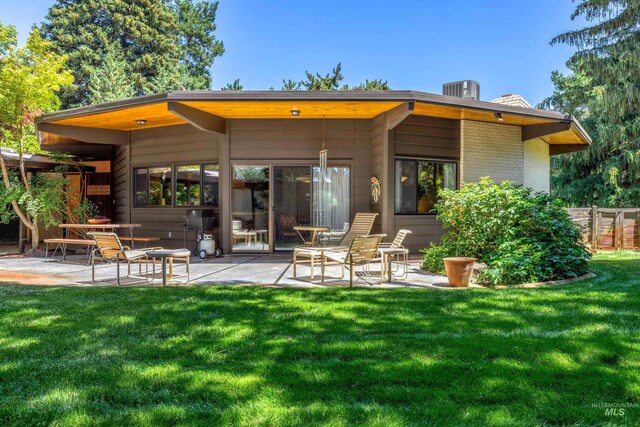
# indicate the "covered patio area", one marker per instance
pixel 260 270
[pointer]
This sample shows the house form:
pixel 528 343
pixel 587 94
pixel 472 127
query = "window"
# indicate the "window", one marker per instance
pixel 210 182
pixel 188 185
pixel 152 186
pixel 195 185
pixel 417 183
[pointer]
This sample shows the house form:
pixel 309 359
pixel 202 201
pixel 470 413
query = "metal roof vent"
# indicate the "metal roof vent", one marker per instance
pixel 462 89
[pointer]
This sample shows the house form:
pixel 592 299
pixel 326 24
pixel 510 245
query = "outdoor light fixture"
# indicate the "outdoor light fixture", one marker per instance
pixel 141 122
pixel 498 116
pixel 294 112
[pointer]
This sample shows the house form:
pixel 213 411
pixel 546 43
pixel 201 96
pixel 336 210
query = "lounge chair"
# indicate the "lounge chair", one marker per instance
pixel 109 248
pixel 361 226
pixel 362 251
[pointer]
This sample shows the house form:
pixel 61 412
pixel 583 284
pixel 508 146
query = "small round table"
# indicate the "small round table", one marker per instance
pixel 163 254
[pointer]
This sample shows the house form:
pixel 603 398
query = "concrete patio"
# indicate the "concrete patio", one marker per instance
pixel 261 270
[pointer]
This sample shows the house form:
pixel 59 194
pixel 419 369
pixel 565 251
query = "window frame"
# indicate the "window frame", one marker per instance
pixel 174 182
pixel 415 161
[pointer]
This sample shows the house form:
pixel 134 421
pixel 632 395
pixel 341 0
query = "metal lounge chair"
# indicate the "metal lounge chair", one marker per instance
pixel 109 248
pixel 362 251
pixel 361 226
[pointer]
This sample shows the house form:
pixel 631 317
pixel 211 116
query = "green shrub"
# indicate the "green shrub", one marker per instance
pixel 520 236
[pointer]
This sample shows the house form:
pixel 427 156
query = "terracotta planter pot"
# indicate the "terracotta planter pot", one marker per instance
pixel 459 270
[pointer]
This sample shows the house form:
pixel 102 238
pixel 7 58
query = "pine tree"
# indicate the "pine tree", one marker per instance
pixel 110 81
pixel 233 86
pixel 198 44
pixel 603 91
pixel 331 81
pixel 165 43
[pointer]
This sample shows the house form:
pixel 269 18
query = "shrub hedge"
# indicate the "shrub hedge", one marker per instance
pixel 521 236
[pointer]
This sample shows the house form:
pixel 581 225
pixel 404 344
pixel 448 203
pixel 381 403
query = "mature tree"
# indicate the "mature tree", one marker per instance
pixel 167 44
pixel 198 44
pixel 30 77
pixel 331 81
pixel 109 81
pixel 603 91
pixel 233 86
pixel 377 84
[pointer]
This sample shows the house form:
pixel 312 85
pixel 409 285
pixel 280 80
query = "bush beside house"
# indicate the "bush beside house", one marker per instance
pixel 521 236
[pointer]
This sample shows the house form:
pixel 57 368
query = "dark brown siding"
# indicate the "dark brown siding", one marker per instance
pixel 428 137
pixel 159 146
pixel 378 128
pixel 285 139
pixel 419 136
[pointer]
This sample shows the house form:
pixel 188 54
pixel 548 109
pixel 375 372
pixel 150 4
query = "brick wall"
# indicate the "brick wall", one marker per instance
pixel 536 165
pixel 493 150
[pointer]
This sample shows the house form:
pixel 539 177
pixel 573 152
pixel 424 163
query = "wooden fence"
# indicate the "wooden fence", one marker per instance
pixel 608 228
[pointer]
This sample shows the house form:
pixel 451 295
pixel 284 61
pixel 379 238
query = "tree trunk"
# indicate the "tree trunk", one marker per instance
pixel 35 236
pixel 16 207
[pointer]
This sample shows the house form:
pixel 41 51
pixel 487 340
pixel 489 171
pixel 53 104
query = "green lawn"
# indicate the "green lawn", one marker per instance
pixel 259 356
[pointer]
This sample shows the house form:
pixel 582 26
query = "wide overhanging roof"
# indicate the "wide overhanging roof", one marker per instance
pixel 194 107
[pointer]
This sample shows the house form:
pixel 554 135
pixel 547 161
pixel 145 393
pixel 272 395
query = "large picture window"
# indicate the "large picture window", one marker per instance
pixel 417 183
pixel 195 185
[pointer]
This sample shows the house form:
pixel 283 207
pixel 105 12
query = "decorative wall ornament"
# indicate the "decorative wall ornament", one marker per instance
pixel 375 189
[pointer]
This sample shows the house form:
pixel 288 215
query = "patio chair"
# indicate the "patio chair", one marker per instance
pixel 361 226
pixel 389 251
pixel 362 251
pixel 109 248
pixel 285 223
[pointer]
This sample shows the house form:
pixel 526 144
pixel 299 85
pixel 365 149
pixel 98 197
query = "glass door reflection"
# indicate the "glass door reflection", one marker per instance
pixel 292 204
pixel 250 221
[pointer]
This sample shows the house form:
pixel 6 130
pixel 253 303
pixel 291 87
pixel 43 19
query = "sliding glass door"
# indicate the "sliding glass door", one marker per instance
pixel 291 204
pixel 251 205
pixel 272 201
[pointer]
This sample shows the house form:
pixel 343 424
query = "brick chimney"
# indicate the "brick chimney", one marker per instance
pixel 512 100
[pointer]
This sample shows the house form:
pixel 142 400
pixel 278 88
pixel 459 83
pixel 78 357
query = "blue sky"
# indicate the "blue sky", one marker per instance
pixel 417 44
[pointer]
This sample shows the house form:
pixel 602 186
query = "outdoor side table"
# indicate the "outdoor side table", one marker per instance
pixel 164 254
pixel 387 255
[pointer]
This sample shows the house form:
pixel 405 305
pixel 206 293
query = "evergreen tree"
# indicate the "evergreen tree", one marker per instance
pixel 165 43
pixel 603 91
pixel 110 81
pixel 198 45
pixel 233 86
pixel 331 81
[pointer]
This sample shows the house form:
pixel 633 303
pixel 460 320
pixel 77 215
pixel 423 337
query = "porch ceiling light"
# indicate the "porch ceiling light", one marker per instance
pixel 498 116
pixel 141 122
pixel 295 112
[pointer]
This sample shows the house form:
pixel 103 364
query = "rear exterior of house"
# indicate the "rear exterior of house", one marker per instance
pixel 250 159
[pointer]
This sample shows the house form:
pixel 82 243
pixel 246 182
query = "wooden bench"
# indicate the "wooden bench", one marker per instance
pixel 62 245
pixel 145 240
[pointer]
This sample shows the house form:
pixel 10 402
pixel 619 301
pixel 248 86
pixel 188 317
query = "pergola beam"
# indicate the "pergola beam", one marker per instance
pixel 396 115
pixel 544 129
pixel 85 134
pixel 200 119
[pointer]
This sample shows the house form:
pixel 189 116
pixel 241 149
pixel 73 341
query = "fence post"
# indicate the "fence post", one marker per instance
pixel 616 231
pixel 594 228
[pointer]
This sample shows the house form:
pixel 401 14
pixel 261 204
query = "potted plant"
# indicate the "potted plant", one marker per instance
pixel 459 270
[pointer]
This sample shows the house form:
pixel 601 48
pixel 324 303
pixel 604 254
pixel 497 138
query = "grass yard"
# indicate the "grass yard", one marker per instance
pixel 257 356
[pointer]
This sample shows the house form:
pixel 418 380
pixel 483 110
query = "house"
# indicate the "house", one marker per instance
pixel 250 158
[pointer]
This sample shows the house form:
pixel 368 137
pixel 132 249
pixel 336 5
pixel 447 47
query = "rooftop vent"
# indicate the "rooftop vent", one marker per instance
pixel 462 89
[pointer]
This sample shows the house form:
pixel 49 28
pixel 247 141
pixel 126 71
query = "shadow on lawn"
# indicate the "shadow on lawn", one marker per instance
pixel 253 355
